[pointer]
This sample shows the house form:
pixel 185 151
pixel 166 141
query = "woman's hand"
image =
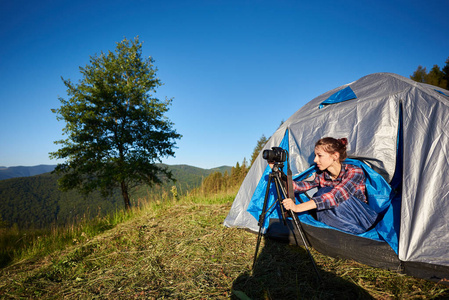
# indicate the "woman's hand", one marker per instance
pixel 297 208
pixel 289 204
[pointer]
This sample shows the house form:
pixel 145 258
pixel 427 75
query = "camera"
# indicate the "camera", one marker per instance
pixel 276 154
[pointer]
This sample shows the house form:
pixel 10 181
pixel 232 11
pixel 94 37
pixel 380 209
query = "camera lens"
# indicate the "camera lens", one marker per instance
pixel 276 154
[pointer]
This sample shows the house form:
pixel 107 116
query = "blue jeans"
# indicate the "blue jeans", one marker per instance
pixel 352 215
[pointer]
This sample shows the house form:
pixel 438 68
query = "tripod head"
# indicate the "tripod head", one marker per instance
pixel 277 170
pixel 277 167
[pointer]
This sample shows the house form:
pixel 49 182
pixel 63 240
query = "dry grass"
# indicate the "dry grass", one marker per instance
pixel 181 250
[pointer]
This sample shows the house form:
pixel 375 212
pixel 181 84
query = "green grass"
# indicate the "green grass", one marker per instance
pixel 181 250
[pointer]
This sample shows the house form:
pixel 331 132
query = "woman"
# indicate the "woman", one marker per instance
pixel 341 199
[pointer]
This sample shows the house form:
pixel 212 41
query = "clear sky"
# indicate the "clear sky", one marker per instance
pixel 236 69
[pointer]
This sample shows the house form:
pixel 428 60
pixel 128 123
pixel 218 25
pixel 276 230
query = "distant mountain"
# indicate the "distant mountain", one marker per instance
pixel 14 172
pixel 36 201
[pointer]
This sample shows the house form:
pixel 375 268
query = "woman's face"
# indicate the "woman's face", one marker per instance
pixel 324 159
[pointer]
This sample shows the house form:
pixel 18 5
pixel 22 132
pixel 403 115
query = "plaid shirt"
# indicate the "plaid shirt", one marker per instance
pixel 350 182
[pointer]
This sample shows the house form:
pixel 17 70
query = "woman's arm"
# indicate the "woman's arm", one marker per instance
pixel 353 178
pixel 303 186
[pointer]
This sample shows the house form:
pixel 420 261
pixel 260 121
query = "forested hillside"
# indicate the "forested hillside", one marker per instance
pixel 37 202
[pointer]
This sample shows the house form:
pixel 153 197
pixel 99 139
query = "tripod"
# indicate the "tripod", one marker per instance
pixel 275 177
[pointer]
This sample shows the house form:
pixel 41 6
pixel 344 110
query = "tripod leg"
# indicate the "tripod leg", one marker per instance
pixel 297 225
pixel 259 238
pixel 278 188
pixel 299 229
pixel 262 218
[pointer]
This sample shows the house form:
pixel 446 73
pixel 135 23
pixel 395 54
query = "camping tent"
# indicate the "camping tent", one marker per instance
pixel 398 129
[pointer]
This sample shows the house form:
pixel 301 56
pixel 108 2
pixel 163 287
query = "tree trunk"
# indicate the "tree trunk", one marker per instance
pixel 125 195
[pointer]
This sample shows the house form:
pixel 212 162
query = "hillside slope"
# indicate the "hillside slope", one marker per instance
pixel 181 250
pixel 37 202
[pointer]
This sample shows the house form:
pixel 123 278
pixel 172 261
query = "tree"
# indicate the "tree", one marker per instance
pixel 235 174
pixel 445 70
pixel 420 74
pixel 213 183
pixel 260 144
pixel 116 130
pixel 436 76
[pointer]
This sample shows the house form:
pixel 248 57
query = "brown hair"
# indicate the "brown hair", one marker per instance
pixel 332 145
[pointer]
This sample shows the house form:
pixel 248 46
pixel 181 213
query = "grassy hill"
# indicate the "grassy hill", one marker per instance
pixel 181 250
pixel 37 202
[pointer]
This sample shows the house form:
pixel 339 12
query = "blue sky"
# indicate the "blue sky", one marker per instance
pixel 235 69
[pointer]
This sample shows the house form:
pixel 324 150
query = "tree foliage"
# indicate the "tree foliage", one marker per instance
pixel 436 76
pixel 116 129
pixel 259 146
pixel 219 181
